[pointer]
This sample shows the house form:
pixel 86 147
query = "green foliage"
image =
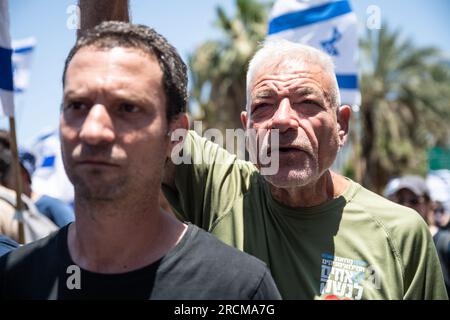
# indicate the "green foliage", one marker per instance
pixel 405 105
pixel 218 67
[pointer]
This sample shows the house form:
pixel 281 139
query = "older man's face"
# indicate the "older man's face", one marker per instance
pixel 295 99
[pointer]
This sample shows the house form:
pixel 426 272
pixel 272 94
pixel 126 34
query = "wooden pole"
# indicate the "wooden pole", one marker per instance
pixel 18 176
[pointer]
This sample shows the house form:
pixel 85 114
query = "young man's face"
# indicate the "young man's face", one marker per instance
pixel 113 122
pixel 294 98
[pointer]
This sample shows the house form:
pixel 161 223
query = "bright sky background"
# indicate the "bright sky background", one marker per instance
pixel 186 24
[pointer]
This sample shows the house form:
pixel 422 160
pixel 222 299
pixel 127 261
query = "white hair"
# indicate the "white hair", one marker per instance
pixel 275 52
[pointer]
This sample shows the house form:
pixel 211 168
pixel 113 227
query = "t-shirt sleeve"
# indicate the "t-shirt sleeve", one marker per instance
pixel 207 181
pixel 423 279
pixel 267 290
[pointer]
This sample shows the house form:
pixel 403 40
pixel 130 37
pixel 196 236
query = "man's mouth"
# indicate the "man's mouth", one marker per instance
pixel 96 163
pixel 284 150
pixel 288 149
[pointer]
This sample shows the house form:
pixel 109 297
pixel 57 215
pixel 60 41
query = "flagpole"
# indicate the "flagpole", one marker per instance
pixel 7 106
pixel 18 176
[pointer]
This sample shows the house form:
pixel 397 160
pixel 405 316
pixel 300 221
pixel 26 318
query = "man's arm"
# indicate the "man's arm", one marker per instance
pixel 206 182
pixel 423 279
pixel 94 12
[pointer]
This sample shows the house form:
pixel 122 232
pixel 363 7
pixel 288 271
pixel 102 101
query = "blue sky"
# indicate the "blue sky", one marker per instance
pixel 186 24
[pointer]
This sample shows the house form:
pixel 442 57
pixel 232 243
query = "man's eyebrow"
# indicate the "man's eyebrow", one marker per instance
pixel 308 91
pixel 73 92
pixel 264 94
pixel 126 96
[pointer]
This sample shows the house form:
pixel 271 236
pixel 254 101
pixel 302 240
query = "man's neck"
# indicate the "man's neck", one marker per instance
pixel 113 237
pixel 329 186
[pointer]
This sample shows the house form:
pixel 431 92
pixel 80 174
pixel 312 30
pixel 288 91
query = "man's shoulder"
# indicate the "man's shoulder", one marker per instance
pixel 215 252
pixel 33 255
pixel 396 219
pixel 29 272
pixel 220 271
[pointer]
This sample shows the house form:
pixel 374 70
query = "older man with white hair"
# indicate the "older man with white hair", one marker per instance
pixel 323 235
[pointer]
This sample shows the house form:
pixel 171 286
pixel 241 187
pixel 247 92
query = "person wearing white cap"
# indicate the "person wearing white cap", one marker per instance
pixel 412 191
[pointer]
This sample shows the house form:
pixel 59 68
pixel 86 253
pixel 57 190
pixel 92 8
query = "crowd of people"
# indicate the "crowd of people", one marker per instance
pixel 303 232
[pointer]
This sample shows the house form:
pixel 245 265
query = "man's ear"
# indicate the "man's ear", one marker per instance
pixel 343 118
pixel 178 128
pixel 244 119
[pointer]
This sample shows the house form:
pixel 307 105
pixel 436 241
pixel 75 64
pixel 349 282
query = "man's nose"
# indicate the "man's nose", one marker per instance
pixel 285 117
pixel 97 127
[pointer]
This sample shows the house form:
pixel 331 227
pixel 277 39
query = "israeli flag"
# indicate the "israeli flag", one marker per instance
pixel 21 59
pixel 49 176
pixel 6 70
pixel 327 25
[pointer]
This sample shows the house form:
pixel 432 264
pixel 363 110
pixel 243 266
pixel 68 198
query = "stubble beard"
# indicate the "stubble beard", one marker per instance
pixel 94 189
pixel 292 174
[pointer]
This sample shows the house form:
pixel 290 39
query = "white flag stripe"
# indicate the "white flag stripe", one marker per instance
pixel 6 76
pixel 350 95
pixel 6 103
pixel 19 44
pixel 23 50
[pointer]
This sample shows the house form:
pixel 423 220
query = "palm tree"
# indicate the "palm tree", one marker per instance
pixel 405 106
pixel 218 67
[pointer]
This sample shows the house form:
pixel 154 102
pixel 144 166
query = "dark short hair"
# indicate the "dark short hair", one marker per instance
pixel 111 34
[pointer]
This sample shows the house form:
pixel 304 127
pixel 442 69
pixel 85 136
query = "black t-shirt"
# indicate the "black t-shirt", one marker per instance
pixel 198 267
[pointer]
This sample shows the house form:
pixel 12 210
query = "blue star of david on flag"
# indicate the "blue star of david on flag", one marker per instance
pixel 330 45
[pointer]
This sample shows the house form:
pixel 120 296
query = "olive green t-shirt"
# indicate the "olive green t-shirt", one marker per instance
pixel 357 246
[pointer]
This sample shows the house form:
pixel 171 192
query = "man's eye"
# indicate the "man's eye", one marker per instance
pixel 128 108
pixel 261 106
pixel 76 105
pixel 311 102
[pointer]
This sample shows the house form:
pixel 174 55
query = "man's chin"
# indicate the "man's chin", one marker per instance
pixel 97 194
pixel 105 190
pixel 290 179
